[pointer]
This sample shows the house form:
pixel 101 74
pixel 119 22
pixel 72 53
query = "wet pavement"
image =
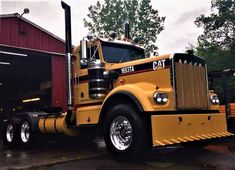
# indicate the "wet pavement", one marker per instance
pixel 83 154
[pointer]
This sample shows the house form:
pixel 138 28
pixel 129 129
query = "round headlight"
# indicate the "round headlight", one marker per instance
pixel 160 98
pixel 214 99
pixel 165 100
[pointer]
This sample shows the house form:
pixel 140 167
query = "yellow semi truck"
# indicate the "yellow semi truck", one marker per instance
pixel 138 102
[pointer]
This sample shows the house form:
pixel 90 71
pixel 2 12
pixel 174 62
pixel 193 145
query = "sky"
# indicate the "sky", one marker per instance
pixel 179 31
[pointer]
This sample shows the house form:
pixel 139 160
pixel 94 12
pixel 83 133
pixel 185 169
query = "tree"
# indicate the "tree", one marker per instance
pixel 217 43
pixel 145 21
pixel 219 27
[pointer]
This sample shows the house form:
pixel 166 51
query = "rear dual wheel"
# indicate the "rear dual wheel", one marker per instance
pixel 25 133
pixel 16 133
pixel 10 133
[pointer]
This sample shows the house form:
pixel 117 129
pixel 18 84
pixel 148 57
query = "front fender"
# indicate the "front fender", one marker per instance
pixel 137 91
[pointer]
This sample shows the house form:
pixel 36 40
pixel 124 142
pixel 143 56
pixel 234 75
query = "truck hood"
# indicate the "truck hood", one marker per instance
pixel 154 61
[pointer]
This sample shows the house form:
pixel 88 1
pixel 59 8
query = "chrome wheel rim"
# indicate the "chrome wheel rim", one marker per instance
pixel 25 132
pixel 121 133
pixel 10 133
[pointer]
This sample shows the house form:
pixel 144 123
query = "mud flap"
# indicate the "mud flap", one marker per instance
pixel 172 129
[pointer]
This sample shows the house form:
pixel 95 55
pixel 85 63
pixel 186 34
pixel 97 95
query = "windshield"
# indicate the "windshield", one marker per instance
pixel 118 53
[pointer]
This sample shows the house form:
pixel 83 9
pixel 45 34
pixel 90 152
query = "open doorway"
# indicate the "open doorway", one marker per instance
pixel 25 81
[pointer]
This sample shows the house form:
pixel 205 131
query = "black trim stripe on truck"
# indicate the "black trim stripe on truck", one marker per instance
pixel 133 69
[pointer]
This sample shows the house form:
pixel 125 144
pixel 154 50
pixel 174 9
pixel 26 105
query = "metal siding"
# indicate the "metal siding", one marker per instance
pixel 59 82
pixel 33 38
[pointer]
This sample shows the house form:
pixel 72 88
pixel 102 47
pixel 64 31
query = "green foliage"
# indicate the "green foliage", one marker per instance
pixel 219 27
pixel 217 43
pixel 145 21
pixel 217 58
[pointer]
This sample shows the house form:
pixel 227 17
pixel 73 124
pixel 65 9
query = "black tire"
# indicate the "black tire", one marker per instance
pixel 231 125
pixel 10 133
pixel 25 132
pixel 232 128
pixel 139 145
pixel 198 144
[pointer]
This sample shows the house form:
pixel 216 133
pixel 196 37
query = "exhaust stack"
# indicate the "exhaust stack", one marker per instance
pixel 127 30
pixel 68 49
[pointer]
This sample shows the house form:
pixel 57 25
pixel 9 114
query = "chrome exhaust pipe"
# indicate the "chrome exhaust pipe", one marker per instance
pixel 68 50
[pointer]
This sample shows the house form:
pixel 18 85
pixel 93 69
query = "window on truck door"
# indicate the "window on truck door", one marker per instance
pixel 92 52
pixel 120 53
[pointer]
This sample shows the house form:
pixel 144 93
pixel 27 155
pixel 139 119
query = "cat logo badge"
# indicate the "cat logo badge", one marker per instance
pixel 160 64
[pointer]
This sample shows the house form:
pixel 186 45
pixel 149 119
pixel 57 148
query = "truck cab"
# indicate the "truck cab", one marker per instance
pixel 170 90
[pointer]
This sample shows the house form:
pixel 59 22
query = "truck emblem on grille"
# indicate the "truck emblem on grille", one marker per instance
pixel 160 64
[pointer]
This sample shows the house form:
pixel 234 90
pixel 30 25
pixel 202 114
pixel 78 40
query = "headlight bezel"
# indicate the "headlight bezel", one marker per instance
pixel 214 99
pixel 160 98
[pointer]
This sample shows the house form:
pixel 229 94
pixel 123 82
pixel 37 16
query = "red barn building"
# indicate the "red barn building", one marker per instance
pixel 32 66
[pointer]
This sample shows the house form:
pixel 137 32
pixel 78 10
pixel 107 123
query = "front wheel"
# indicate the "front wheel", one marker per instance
pixel 126 132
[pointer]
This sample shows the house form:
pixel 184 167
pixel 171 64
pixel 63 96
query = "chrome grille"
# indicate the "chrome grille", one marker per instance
pixel 190 83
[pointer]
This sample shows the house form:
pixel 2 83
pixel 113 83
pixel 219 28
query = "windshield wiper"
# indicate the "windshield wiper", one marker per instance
pixel 122 56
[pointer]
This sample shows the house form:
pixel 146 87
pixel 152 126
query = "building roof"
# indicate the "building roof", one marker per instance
pixel 16 15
